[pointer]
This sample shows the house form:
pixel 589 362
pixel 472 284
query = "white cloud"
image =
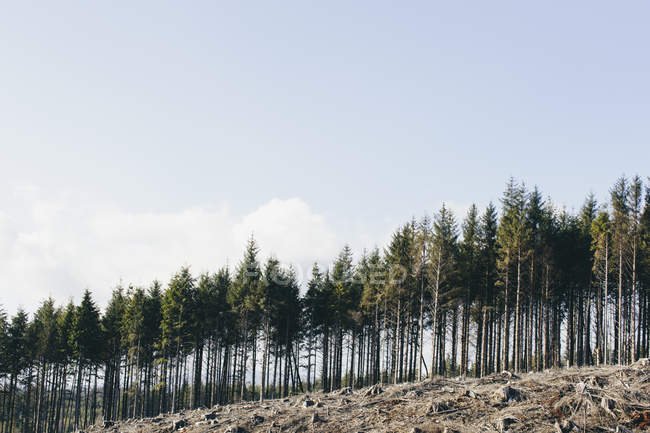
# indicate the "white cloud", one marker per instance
pixel 60 246
pixel 290 230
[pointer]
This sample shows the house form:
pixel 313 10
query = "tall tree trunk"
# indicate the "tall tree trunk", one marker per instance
pixel 434 328
pixel 517 336
pixel 620 347
pixel 506 317
pixel 77 407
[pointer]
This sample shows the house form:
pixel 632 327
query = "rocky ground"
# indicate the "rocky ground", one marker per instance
pixel 596 399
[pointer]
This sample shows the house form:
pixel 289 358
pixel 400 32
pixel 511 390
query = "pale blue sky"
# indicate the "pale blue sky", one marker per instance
pixel 368 112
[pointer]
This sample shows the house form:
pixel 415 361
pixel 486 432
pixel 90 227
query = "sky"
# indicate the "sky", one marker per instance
pixel 138 137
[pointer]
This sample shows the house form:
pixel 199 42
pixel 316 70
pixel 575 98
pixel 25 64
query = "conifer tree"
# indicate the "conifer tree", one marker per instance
pixel 133 328
pixel 644 273
pixel 372 272
pixel 588 214
pixel 468 268
pixel 111 324
pixel 635 199
pixel 600 247
pixel 344 299
pixel 443 259
pixel 16 359
pixel 86 341
pixel 488 278
pixel 314 306
pixel 620 226
pixel 513 239
pixel 150 342
pixel 176 315
pixel 246 301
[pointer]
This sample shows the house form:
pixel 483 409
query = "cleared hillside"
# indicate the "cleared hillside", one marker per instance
pixel 596 399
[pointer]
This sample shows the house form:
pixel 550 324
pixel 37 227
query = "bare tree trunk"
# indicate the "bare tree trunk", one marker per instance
pixel 620 347
pixel 633 320
pixel 77 407
pixel 265 359
pixel 547 312
pixel 517 336
pixel 484 339
pixel 506 317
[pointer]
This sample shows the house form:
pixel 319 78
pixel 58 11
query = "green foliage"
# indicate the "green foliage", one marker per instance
pixel 3 344
pixel 16 343
pixel 373 274
pixel 112 324
pixel 444 255
pixel 86 335
pixel 620 211
pixel 44 330
pixel 513 234
pixel 488 246
pixel 245 294
pixel 65 323
pixel 177 310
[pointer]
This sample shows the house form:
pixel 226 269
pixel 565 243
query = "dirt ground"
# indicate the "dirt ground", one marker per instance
pixel 594 399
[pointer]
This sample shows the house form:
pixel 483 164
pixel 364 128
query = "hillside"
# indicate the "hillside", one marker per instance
pixel 594 399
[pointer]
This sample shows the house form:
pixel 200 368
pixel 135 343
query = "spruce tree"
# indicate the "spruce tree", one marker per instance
pixel 468 268
pixel 176 316
pixel 245 298
pixel 16 360
pixel 620 226
pixel 488 278
pixel 600 247
pixel 86 341
pixel 111 324
pixel 444 255
pixel 513 239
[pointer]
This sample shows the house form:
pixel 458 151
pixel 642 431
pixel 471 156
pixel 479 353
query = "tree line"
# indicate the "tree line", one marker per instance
pixel 527 287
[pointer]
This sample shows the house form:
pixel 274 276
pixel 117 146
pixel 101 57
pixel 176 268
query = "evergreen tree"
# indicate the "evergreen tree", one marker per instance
pixel 513 240
pixel 620 226
pixel 488 278
pixel 313 321
pixel 112 352
pixel 246 301
pixel 468 268
pixel 86 341
pixel 16 359
pixel 644 273
pixel 443 262
pixel 600 247
pixel 176 315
